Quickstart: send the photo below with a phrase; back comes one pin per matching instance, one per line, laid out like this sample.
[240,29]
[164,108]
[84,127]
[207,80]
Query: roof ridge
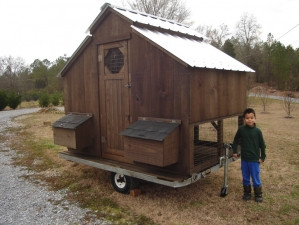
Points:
[147,15]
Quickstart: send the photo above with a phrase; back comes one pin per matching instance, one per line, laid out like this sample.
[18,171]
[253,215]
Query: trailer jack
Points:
[225,161]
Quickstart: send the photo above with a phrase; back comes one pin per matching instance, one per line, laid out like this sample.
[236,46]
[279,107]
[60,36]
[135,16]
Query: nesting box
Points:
[152,141]
[73,131]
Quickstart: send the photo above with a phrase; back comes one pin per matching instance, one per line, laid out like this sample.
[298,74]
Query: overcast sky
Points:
[47,29]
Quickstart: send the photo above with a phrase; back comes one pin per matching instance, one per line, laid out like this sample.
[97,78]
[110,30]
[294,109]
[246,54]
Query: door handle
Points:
[128,85]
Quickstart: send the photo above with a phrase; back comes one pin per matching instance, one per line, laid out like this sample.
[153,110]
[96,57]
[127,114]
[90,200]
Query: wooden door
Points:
[114,97]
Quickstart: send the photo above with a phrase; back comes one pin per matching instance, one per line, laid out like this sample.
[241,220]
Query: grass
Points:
[198,203]
[36,151]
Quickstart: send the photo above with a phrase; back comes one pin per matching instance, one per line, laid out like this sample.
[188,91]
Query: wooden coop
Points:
[141,91]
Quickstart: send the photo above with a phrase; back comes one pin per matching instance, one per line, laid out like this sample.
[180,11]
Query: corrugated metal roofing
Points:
[192,52]
[151,130]
[71,121]
[155,21]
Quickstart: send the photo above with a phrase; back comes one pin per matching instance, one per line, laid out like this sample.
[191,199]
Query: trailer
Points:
[148,98]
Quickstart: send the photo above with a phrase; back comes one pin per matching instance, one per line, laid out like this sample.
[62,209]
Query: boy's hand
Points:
[260,161]
[235,155]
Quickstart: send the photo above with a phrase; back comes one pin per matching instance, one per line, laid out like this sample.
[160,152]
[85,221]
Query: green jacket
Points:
[252,143]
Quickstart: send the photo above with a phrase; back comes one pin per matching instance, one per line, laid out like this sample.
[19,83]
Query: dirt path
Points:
[24,202]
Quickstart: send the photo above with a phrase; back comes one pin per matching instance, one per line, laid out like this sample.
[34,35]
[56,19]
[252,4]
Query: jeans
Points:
[251,169]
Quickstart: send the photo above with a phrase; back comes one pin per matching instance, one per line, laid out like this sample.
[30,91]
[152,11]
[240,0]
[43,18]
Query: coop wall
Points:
[160,89]
[81,79]
[216,94]
[81,91]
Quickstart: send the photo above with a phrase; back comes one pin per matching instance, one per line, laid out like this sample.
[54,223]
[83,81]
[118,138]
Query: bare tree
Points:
[216,36]
[289,103]
[10,69]
[248,30]
[247,36]
[263,94]
[168,9]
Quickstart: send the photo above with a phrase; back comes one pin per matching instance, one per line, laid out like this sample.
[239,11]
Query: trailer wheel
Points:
[122,183]
[223,192]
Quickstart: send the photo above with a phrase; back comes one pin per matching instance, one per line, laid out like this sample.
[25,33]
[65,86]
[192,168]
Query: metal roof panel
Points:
[193,52]
[156,21]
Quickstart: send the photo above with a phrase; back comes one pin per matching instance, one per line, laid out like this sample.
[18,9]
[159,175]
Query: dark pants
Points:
[251,170]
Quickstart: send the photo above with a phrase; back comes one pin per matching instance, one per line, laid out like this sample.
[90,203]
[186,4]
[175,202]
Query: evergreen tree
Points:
[229,48]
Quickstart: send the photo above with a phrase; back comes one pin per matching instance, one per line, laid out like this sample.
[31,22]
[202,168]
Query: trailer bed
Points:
[140,171]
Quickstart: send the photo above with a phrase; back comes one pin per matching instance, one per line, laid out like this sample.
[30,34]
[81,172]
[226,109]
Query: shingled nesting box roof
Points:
[71,121]
[151,130]
[177,40]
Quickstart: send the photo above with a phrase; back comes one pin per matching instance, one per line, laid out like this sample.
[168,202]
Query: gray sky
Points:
[47,29]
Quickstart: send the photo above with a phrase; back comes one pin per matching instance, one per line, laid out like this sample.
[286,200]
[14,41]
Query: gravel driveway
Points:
[22,202]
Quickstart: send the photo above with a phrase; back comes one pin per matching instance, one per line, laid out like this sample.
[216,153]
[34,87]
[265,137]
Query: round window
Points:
[114,60]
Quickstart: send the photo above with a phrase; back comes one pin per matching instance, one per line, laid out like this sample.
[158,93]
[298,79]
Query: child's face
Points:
[249,119]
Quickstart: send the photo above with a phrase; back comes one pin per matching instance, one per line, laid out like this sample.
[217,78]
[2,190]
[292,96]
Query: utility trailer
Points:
[149,98]
[123,176]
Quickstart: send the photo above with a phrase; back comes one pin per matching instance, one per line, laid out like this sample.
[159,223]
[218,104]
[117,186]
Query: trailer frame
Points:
[170,181]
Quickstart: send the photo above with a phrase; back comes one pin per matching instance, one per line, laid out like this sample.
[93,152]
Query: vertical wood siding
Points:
[160,87]
[216,94]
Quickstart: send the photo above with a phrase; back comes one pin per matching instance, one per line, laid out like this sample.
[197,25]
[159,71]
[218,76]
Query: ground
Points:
[198,203]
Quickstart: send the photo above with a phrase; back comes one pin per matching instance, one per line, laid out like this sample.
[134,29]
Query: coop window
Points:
[114,60]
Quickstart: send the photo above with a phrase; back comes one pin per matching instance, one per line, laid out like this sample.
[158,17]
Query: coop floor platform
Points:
[138,171]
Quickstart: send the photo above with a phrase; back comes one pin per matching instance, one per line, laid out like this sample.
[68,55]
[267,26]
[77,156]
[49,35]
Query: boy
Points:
[253,153]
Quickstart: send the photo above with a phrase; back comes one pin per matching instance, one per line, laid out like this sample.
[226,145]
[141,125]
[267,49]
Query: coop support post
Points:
[240,120]
[219,128]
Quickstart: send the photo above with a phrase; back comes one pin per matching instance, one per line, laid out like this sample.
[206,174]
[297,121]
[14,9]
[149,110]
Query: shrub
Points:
[55,99]
[3,100]
[26,97]
[31,95]
[34,96]
[44,100]
[14,100]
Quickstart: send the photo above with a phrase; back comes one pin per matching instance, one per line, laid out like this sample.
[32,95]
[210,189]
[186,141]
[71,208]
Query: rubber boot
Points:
[247,193]
[258,194]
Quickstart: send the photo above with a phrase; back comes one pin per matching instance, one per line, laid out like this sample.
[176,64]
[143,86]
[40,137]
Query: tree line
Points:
[38,81]
[274,63]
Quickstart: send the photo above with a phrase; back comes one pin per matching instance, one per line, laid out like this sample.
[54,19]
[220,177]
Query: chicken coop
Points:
[148,98]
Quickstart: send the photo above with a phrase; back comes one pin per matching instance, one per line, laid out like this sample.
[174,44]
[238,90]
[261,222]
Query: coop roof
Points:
[150,130]
[143,18]
[177,40]
[194,53]
[71,121]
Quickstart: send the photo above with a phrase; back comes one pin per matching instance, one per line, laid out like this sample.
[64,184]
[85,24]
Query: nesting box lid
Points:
[150,129]
[71,121]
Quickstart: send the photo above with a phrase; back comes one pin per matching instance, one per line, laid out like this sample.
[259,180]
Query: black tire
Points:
[122,183]
[223,192]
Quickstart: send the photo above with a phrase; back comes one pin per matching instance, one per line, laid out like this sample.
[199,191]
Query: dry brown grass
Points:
[200,203]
